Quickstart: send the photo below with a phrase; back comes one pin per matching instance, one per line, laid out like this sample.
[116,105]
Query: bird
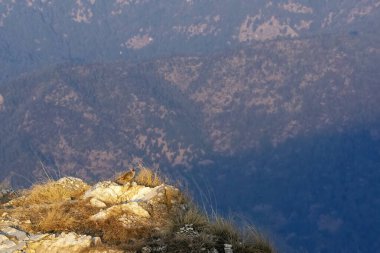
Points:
[126,177]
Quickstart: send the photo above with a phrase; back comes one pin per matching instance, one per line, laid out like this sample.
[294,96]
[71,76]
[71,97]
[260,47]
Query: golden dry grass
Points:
[51,192]
[114,232]
[173,197]
[55,219]
[67,216]
[53,207]
[148,178]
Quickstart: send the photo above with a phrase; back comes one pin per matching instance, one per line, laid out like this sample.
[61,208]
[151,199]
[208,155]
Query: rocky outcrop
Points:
[146,216]
[131,207]
[15,240]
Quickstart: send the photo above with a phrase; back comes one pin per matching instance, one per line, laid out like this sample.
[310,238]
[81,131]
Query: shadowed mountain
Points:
[91,120]
[318,193]
[177,111]
[36,33]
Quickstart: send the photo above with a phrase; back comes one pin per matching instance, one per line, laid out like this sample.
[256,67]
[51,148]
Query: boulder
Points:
[6,245]
[97,203]
[72,183]
[108,192]
[131,208]
[12,232]
[65,242]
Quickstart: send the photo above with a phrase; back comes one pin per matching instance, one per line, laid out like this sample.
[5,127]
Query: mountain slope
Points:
[172,111]
[37,33]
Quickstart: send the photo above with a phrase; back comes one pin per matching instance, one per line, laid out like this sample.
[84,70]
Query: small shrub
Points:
[173,197]
[55,218]
[224,231]
[254,242]
[147,177]
[113,232]
[247,241]
[191,244]
[191,216]
[185,234]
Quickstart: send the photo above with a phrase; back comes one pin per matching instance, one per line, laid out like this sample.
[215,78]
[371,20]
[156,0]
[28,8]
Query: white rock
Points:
[5,243]
[3,239]
[134,208]
[97,203]
[102,215]
[72,182]
[16,248]
[37,237]
[111,193]
[147,193]
[107,192]
[70,242]
[131,208]
[10,231]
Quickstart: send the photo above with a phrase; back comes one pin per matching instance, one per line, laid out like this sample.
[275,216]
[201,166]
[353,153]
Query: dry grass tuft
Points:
[56,217]
[173,197]
[254,242]
[249,240]
[51,192]
[192,216]
[67,216]
[75,217]
[225,232]
[192,230]
[113,232]
[148,178]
